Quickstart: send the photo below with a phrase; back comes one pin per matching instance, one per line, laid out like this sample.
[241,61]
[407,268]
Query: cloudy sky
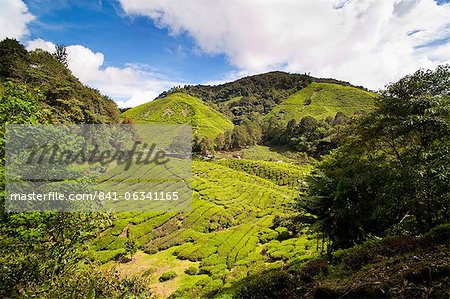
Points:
[132,50]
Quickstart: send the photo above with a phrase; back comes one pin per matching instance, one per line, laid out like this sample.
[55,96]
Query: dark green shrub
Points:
[151,249]
[313,268]
[284,235]
[191,270]
[439,234]
[272,284]
[167,276]
[356,257]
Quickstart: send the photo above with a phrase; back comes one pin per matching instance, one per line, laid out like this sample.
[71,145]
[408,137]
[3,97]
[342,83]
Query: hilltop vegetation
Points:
[260,107]
[253,94]
[63,95]
[310,121]
[179,108]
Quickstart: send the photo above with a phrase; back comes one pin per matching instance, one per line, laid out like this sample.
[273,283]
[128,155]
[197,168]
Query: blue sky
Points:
[103,26]
[132,50]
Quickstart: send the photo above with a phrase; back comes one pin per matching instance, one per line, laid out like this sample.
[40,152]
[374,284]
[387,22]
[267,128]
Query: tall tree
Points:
[61,54]
[131,245]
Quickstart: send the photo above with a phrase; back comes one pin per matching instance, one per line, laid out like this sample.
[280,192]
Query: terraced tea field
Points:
[282,174]
[228,234]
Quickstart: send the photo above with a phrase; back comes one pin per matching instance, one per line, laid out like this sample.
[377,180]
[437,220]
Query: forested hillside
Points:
[261,107]
[59,92]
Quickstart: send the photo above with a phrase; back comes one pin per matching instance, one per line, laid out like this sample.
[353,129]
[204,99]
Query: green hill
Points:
[252,94]
[179,108]
[321,100]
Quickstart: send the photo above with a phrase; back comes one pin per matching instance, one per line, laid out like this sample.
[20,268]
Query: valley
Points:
[235,227]
[302,187]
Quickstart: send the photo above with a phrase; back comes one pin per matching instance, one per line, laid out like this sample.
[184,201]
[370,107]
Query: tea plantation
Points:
[229,233]
[320,100]
[179,108]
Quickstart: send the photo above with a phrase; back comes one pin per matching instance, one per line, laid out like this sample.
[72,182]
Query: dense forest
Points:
[302,188]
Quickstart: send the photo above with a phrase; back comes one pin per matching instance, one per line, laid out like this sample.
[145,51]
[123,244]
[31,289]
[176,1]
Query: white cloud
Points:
[229,77]
[39,43]
[129,86]
[14,17]
[367,42]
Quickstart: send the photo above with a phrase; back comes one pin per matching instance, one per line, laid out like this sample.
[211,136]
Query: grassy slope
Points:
[228,233]
[180,108]
[231,100]
[326,100]
[265,153]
